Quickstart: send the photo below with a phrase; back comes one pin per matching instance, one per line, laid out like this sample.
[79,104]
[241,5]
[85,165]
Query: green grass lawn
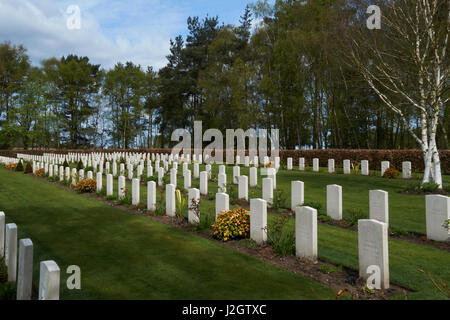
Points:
[126,256]
[340,246]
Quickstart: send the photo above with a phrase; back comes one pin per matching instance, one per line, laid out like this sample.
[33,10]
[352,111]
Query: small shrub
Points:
[80,165]
[279,200]
[28,169]
[429,187]
[324,218]
[101,193]
[19,167]
[181,204]
[160,209]
[329,269]
[126,200]
[87,169]
[232,192]
[412,186]
[53,179]
[154,179]
[11,166]
[314,205]
[39,173]
[111,198]
[206,222]
[281,237]
[391,173]
[356,168]
[399,232]
[354,215]
[3,270]
[232,224]
[317,206]
[8,291]
[65,164]
[86,186]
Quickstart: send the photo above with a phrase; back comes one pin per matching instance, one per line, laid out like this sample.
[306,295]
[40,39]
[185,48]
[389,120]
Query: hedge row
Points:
[375,157]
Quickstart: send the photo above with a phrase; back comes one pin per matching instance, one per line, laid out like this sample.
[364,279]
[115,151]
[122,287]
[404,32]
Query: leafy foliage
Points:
[391,173]
[232,225]
[28,168]
[19,167]
[86,186]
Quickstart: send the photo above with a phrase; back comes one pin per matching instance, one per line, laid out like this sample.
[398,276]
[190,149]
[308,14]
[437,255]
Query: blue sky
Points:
[111,30]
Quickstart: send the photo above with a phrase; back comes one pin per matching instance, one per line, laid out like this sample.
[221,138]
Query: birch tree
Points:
[406,64]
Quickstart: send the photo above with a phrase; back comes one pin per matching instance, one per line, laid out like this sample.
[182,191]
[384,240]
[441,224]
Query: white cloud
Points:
[111,31]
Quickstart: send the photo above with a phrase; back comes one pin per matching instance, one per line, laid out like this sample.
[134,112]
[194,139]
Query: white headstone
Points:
[406,170]
[289,164]
[437,213]
[2,234]
[193,196]
[384,166]
[346,166]
[272,174]
[149,171]
[243,187]
[373,250]
[74,176]
[99,182]
[222,203]
[379,205]
[151,195]
[109,185]
[204,183]
[25,274]
[365,167]
[258,220]
[334,201]
[90,175]
[222,182]
[236,174]
[316,165]
[301,164]
[121,188]
[170,200]
[135,194]
[330,165]
[173,177]
[297,194]
[49,281]
[208,169]
[196,170]
[187,179]
[267,190]
[11,251]
[67,173]
[253,176]
[160,176]
[306,233]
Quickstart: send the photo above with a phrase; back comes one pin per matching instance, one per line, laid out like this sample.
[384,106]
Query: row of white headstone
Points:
[21,270]
[437,207]
[406,166]
[436,214]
